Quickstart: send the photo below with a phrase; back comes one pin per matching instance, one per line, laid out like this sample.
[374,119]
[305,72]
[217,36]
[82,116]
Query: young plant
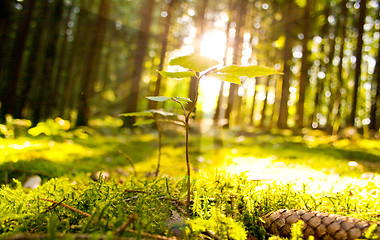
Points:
[154,116]
[199,67]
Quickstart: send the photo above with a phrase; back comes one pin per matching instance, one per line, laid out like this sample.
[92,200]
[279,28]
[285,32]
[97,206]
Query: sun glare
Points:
[213,45]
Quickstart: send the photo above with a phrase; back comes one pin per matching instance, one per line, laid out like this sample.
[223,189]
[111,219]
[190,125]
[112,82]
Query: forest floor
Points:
[264,171]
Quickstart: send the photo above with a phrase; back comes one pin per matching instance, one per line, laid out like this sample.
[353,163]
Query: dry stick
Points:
[151,235]
[67,206]
[28,236]
[88,215]
[121,229]
[54,206]
[129,160]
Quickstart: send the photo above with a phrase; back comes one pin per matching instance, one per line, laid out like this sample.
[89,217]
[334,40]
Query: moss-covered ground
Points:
[237,177]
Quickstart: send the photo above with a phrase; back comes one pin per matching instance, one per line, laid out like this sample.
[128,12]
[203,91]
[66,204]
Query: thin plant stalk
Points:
[159,143]
[187,119]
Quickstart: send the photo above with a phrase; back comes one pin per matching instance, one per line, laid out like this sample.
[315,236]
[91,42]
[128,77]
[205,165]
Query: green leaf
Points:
[250,71]
[137,114]
[177,74]
[194,62]
[158,98]
[225,77]
[162,113]
[182,99]
[143,122]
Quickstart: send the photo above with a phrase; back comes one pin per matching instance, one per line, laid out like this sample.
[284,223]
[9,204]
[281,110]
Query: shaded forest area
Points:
[82,59]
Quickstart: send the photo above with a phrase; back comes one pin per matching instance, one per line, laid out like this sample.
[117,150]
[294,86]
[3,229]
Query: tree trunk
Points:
[219,104]
[164,46]
[358,56]
[287,56]
[252,115]
[320,82]
[336,112]
[263,116]
[10,97]
[240,15]
[304,78]
[200,24]
[374,116]
[146,14]
[76,56]
[90,73]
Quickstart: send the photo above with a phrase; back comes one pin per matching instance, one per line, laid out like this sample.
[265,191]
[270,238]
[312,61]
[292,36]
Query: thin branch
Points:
[67,206]
[135,191]
[130,161]
[54,206]
[151,235]
[28,236]
[121,229]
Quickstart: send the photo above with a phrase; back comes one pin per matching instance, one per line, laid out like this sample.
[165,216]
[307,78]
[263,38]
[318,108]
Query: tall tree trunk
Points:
[252,115]
[146,12]
[90,73]
[62,57]
[304,78]
[240,15]
[200,24]
[336,112]
[164,46]
[320,82]
[358,56]
[219,106]
[374,115]
[263,115]
[76,56]
[287,56]
[10,97]
[50,58]
[5,35]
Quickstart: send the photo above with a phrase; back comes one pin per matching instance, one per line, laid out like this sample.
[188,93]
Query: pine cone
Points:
[320,225]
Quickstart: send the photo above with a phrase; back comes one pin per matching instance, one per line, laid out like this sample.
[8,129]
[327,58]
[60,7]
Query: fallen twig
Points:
[121,229]
[54,205]
[151,235]
[27,236]
[67,206]
[130,161]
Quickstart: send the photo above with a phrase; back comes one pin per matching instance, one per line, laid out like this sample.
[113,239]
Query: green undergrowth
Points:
[237,177]
[229,206]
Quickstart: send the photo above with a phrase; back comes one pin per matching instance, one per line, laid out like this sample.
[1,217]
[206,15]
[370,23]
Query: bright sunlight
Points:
[213,46]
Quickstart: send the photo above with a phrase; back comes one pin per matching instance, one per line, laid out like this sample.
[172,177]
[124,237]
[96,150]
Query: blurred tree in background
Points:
[81,59]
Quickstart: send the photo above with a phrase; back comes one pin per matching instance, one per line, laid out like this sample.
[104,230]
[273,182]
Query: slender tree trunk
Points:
[10,97]
[336,112]
[252,115]
[164,46]
[287,56]
[304,78]
[90,73]
[146,14]
[63,54]
[5,36]
[263,115]
[50,58]
[240,13]
[219,106]
[76,56]
[200,24]
[320,82]
[358,56]
[374,115]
